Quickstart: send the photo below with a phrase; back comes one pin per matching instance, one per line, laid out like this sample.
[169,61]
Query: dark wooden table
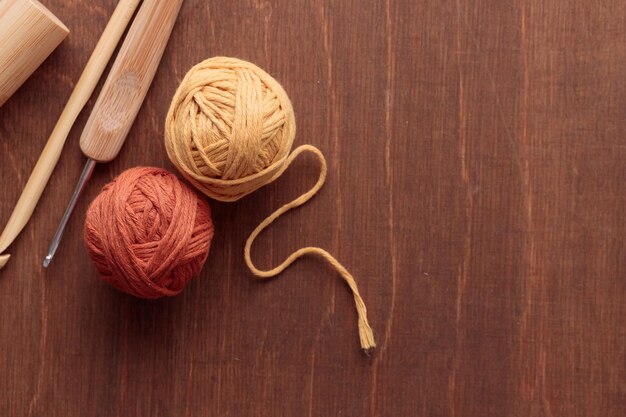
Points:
[477,154]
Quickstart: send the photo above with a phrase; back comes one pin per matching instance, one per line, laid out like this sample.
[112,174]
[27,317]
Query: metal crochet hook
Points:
[82,182]
[122,95]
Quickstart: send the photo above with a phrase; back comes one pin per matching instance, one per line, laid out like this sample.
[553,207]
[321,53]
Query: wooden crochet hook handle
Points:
[129,80]
[52,151]
[122,95]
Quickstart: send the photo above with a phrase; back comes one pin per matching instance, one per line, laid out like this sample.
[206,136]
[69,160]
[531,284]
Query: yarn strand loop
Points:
[366,334]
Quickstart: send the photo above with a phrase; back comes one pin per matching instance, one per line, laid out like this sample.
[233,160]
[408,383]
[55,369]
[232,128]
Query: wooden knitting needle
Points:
[122,94]
[52,151]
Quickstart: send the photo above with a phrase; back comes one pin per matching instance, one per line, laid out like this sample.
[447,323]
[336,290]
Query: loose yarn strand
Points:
[366,334]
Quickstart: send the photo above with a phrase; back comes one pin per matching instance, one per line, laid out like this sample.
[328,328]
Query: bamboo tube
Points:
[52,151]
[28,34]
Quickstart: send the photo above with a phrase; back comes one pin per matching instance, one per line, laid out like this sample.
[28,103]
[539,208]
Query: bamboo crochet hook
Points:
[52,151]
[122,94]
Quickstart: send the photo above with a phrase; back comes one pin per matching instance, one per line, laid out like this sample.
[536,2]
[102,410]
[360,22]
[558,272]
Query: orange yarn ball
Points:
[148,233]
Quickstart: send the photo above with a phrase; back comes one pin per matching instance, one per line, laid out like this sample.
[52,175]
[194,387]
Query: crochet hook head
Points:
[82,182]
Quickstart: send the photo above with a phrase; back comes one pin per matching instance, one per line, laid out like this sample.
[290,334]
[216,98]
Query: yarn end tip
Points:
[368,351]
[367,340]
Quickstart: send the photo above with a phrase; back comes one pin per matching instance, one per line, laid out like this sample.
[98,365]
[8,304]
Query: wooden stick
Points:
[52,151]
[28,34]
[129,80]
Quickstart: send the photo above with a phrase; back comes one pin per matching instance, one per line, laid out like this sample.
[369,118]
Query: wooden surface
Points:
[477,155]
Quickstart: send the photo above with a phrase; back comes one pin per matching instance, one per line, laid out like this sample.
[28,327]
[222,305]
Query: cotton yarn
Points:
[229,131]
[148,233]
[230,128]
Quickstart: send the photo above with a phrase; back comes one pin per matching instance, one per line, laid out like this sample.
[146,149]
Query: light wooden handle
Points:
[28,34]
[52,151]
[129,80]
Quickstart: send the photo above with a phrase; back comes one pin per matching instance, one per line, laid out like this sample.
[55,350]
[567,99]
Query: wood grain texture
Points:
[476,191]
[29,33]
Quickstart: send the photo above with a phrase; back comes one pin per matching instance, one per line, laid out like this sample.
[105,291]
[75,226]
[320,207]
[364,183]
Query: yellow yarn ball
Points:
[230,128]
